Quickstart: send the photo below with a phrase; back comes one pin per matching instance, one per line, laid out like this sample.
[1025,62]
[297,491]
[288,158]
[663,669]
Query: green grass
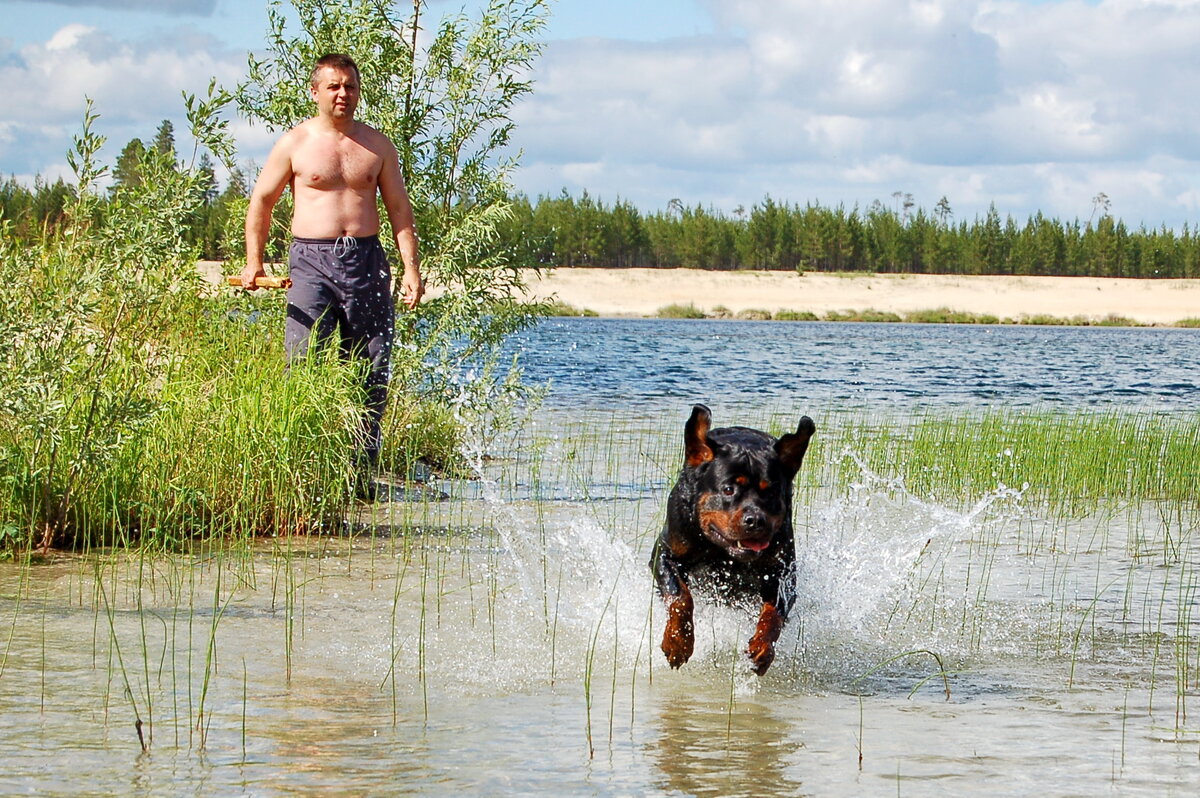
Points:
[754,314]
[677,311]
[863,316]
[948,316]
[1068,460]
[560,308]
[796,315]
[230,443]
[929,316]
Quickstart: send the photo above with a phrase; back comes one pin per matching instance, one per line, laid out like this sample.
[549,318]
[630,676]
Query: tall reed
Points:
[1073,460]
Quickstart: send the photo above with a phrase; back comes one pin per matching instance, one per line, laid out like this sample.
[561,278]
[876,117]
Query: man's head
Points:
[336,85]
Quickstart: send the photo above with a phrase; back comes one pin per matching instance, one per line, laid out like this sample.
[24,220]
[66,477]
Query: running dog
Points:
[729,531]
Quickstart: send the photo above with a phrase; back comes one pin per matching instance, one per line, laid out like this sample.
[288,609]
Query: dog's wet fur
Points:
[729,531]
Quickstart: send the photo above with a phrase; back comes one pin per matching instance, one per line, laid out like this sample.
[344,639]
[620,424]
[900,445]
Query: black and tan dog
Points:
[729,530]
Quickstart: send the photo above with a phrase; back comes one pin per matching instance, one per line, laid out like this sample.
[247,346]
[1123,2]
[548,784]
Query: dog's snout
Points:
[751,520]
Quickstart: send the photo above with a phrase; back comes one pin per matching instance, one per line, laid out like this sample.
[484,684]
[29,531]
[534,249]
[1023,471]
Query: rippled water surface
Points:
[504,642]
[638,361]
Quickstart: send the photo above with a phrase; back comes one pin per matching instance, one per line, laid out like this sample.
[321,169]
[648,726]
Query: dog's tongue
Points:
[754,545]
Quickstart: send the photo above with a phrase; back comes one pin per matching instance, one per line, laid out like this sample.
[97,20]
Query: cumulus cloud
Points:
[1038,105]
[134,86]
[1032,106]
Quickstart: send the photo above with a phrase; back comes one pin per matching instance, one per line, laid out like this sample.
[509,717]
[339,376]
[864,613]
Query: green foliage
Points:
[128,171]
[754,314]
[243,446]
[86,335]
[868,315]
[795,315]
[32,212]
[136,408]
[565,231]
[1073,461]
[559,308]
[948,316]
[688,311]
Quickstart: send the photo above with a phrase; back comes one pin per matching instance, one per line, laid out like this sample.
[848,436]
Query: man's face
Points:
[336,92]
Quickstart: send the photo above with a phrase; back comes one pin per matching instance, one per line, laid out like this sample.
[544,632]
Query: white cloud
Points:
[1035,105]
[134,86]
[68,36]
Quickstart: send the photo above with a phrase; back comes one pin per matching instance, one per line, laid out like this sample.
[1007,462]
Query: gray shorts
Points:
[342,292]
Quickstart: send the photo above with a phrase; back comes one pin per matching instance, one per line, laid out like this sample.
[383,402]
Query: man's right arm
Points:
[275,176]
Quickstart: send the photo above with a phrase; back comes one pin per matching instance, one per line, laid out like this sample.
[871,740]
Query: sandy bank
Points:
[641,292]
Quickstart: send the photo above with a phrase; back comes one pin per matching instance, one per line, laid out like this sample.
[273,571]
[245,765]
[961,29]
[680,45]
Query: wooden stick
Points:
[263,281]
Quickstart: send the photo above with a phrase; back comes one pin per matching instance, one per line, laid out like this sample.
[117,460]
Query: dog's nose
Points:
[751,520]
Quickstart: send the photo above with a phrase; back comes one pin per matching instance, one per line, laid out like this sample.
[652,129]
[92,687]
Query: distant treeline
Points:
[583,231]
[32,212]
[569,231]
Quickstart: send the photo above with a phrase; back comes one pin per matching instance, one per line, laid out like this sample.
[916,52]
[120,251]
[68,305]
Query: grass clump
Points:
[948,316]
[1070,460]
[754,314]
[869,315]
[796,315]
[559,308]
[678,311]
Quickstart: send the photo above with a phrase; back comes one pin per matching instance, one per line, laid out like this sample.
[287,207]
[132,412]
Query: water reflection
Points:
[703,748]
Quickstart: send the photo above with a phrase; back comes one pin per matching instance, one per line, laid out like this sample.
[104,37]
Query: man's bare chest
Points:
[344,165]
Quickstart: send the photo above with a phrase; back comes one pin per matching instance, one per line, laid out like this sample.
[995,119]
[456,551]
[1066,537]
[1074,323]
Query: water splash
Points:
[575,592]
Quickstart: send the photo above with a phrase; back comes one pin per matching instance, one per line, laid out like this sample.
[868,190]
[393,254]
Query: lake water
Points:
[504,642]
[648,362]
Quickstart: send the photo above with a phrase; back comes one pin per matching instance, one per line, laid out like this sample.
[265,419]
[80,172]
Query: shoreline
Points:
[644,293]
[767,294]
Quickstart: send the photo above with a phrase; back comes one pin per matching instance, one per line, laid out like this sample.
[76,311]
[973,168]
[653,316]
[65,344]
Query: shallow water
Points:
[505,642]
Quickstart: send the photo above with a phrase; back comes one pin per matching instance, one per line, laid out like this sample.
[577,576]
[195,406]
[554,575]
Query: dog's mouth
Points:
[754,545]
[746,547]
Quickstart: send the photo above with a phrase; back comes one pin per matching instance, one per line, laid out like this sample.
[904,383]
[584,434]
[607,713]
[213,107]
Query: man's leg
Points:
[312,300]
[367,332]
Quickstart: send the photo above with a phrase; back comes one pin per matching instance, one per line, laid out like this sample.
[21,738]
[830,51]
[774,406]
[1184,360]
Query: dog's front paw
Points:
[761,650]
[761,653]
[679,637]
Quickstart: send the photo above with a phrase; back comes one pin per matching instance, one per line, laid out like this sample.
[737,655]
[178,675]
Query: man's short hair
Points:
[337,61]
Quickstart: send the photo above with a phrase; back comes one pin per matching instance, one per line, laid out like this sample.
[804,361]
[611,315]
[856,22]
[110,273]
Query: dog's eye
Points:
[728,489]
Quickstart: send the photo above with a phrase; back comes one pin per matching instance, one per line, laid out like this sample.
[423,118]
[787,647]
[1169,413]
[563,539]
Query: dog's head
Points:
[743,481]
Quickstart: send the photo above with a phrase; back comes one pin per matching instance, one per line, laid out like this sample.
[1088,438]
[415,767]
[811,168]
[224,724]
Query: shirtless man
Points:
[341,280]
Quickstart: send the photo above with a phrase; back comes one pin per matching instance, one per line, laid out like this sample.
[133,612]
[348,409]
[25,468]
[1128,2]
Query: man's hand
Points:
[412,288]
[250,274]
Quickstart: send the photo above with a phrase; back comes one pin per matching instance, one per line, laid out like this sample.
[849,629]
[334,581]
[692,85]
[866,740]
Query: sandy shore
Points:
[641,292]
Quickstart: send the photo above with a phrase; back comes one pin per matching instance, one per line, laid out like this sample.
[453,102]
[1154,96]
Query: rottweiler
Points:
[729,530]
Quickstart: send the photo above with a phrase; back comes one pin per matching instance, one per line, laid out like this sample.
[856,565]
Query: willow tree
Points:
[443,93]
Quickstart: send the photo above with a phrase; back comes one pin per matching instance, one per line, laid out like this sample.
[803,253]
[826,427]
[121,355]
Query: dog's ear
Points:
[695,437]
[791,447]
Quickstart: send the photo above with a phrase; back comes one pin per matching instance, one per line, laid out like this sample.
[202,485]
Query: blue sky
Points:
[1033,105]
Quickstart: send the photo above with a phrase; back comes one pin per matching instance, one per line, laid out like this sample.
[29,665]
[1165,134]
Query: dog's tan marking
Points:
[762,646]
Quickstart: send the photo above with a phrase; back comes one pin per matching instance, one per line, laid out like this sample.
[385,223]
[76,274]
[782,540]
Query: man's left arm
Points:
[400,215]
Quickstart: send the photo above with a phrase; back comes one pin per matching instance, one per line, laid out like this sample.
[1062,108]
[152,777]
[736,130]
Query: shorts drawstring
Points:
[345,243]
